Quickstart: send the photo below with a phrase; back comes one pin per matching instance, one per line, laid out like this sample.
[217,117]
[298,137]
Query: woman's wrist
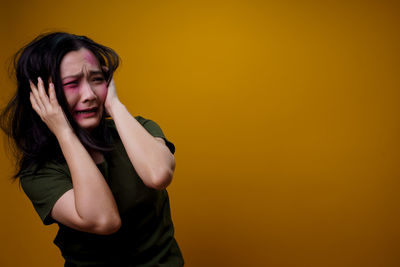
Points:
[112,107]
[65,135]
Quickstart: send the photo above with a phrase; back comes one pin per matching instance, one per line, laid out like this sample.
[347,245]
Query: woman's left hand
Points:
[111,98]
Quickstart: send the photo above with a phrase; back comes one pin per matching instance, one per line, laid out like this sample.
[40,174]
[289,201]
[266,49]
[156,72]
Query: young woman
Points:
[101,180]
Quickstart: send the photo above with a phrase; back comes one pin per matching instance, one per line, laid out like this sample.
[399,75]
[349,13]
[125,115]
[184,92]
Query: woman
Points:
[101,180]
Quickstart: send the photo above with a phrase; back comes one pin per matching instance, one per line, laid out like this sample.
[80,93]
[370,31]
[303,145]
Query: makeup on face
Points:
[84,87]
[72,81]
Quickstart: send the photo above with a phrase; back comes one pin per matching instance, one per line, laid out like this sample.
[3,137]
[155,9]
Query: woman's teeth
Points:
[86,111]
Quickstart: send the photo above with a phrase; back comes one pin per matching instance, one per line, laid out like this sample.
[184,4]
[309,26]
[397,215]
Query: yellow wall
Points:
[285,116]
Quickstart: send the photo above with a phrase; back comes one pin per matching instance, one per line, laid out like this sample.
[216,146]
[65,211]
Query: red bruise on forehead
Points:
[77,64]
[90,57]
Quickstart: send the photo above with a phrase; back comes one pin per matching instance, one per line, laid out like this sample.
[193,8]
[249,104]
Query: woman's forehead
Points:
[77,61]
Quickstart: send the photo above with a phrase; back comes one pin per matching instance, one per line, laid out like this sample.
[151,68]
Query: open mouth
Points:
[86,111]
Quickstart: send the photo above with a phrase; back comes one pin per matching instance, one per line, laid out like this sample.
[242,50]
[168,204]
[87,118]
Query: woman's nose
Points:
[87,93]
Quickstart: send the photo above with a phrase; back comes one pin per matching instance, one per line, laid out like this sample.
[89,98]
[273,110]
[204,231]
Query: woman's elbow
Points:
[162,179]
[108,226]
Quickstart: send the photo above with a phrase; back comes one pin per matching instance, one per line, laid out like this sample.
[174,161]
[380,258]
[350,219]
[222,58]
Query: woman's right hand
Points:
[48,109]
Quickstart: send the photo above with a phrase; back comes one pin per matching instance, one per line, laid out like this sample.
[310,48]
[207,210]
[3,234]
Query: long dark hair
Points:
[29,137]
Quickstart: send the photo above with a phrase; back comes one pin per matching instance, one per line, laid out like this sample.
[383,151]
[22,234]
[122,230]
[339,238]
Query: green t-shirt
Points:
[146,237]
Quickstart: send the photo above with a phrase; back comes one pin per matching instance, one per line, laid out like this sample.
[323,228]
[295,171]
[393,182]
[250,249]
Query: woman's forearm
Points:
[151,159]
[94,202]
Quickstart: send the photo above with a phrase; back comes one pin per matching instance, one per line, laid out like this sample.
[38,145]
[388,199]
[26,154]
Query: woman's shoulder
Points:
[110,122]
[146,123]
[49,166]
[141,120]
[151,127]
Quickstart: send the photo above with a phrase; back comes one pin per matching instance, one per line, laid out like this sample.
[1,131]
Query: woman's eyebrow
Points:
[73,76]
[95,72]
[91,73]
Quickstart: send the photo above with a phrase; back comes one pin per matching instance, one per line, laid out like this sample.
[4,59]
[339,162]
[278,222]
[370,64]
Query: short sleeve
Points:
[150,126]
[155,131]
[45,186]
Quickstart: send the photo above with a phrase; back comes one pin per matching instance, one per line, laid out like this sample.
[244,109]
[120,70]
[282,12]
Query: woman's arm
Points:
[90,205]
[150,157]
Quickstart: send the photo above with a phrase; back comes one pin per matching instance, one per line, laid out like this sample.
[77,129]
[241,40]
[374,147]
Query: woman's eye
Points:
[98,79]
[71,84]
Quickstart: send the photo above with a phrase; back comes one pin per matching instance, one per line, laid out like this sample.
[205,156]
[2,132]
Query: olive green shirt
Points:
[146,237]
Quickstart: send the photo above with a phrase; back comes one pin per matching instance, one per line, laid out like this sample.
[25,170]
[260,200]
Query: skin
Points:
[84,87]
[90,205]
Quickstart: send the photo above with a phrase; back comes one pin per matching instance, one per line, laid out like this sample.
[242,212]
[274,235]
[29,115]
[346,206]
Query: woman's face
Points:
[84,87]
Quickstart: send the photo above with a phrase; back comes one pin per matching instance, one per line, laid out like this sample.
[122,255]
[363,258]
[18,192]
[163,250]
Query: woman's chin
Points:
[88,123]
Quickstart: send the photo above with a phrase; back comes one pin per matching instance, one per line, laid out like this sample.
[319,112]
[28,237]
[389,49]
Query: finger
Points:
[52,94]
[35,105]
[36,96]
[32,85]
[42,93]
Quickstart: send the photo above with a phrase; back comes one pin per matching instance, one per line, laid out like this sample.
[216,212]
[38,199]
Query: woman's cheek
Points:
[71,96]
[102,92]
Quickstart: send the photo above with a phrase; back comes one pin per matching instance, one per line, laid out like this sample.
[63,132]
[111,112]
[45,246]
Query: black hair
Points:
[30,139]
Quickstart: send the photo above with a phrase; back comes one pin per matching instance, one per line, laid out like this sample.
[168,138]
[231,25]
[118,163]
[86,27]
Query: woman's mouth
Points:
[86,112]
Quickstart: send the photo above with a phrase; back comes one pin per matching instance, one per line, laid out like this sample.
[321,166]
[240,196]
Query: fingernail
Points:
[39,79]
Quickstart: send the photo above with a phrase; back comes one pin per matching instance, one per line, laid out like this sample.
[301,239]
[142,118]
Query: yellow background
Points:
[285,116]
